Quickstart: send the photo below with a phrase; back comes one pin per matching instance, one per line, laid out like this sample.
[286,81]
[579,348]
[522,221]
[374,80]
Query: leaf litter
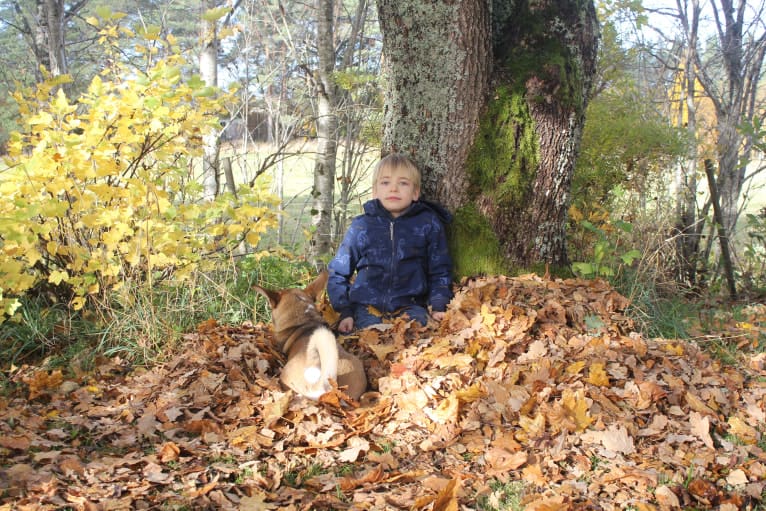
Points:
[539,384]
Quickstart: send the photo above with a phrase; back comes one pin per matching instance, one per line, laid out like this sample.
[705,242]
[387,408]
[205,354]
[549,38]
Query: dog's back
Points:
[313,355]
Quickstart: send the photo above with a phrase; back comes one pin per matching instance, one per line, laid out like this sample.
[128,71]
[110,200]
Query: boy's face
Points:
[395,190]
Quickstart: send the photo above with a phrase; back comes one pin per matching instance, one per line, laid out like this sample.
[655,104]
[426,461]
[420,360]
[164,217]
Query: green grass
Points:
[505,496]
[142,323]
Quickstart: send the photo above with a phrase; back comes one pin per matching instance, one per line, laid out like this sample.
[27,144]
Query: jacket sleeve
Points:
[439,268]
[341,269]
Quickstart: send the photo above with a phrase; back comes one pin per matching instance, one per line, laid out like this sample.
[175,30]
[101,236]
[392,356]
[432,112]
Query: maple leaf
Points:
[577,408]
[744,432]
[40,382]
[597,375]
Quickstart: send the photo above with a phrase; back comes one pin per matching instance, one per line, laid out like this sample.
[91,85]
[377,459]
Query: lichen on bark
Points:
[521,162]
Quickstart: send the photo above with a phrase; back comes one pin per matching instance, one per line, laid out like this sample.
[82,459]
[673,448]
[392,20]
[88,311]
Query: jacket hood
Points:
[375,208]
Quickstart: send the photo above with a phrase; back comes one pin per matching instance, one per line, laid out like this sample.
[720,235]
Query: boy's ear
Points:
[315,288]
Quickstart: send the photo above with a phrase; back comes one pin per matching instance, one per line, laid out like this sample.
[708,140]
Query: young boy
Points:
[398,251]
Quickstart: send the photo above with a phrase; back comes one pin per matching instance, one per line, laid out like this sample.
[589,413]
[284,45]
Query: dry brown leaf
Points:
[556,503]
[533,474]
[169,451]
[696,404]
[511,378]
[371,476]
[667,499]
[41,382]
[500,461]
[615,439]
[700,427]
[446,500]
[18,442]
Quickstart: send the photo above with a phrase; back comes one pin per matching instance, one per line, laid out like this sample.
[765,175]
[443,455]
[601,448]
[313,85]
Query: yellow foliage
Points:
[101,188]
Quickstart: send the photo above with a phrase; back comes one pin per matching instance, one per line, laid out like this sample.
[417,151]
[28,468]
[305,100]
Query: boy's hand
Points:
[438,316]
[346,325]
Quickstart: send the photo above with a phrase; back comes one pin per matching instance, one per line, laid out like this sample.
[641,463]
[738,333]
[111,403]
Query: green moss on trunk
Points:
[474,246]
[504,157]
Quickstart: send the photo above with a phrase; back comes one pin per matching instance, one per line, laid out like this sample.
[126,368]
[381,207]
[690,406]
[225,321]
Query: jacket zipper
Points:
[392,268]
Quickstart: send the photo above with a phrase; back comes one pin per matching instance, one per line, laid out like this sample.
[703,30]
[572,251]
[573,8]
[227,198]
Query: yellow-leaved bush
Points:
[102,189]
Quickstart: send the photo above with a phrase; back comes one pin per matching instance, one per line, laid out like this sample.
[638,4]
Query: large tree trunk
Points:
[437,58]
[327,127]
[503,160]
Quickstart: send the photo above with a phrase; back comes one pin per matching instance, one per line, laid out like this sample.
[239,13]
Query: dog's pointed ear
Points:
[272,296]
[315,288]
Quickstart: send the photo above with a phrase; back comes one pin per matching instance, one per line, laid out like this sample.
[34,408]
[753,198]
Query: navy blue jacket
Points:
[398,261]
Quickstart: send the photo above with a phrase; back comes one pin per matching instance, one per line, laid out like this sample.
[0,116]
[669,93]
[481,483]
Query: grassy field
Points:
[296,168]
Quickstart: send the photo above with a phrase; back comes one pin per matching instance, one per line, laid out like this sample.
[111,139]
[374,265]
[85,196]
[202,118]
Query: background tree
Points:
[208,66]
[713,58]
[327,133]
[492,110]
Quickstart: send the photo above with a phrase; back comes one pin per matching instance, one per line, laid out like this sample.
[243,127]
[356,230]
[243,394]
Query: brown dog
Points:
[313,354]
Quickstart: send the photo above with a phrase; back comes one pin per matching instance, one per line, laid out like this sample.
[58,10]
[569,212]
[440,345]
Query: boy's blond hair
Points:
[398,162]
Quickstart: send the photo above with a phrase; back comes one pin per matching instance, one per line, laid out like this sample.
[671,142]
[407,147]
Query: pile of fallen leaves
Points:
[530,384]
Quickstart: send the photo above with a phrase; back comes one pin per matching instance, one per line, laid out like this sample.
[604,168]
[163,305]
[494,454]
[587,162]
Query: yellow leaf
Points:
[575,368]
[597,375]
[447,411]
[533,427]
[471,394]
[740,429]
[43,118]
[253,238]
[487,317]
[578,408]
[56,277]
[674,349]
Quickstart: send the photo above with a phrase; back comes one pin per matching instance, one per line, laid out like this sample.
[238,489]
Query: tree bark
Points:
[689,230]
[492,110]
[43,25]
[327,127]
[55,24]
[437,58]
[208,65]
[723,237]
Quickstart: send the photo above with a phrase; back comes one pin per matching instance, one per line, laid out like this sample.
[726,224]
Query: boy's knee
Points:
[363,318]
[419,314]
